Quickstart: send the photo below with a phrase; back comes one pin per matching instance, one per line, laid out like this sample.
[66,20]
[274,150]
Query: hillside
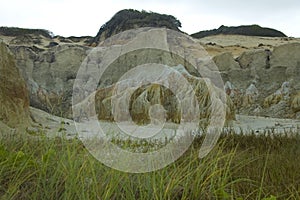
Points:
[129,19]
[14,99]
[248,30]
[237,44]
[15,31]
[49,63]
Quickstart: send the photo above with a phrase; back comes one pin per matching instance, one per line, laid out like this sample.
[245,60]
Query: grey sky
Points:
[78,18]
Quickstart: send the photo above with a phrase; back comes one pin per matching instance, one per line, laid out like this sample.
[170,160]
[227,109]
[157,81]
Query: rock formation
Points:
[111,105]
[225,62]
[49,65]
[255,58]
[118,98]
[14,99]
[276,75]
[295,103]
[50,75]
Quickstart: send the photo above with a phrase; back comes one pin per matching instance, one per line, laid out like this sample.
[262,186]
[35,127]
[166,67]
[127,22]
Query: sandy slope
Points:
[239,43]
[213,44]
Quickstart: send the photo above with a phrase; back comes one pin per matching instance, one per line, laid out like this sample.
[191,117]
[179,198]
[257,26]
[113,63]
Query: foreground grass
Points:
[239,167]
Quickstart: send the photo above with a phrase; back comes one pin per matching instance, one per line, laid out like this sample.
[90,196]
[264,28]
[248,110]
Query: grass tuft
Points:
[241,166]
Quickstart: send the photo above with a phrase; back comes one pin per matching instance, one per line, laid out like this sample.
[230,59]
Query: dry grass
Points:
[239,167]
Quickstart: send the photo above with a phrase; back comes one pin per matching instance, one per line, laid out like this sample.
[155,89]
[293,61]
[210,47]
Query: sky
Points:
[85,17]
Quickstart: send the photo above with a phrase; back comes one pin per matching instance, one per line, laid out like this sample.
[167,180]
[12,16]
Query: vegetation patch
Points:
[239,167]
[130,19]
[249,30]
[15,31]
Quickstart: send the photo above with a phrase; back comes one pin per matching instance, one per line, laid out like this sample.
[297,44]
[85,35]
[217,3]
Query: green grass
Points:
[239,167]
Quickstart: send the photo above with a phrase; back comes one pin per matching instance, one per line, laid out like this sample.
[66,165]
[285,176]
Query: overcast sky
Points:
[79,18]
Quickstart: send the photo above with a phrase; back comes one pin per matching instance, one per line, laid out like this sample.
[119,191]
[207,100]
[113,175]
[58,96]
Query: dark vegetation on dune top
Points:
[14,31]
[129,19]
[249,30]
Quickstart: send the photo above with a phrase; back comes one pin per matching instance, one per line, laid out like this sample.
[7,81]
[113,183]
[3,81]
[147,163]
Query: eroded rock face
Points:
[140,104]
[283,93]
[257,59]
[132,87]
[14,99]
[276,75]
[225,62]
[295,103]
[49,75]
[286,55]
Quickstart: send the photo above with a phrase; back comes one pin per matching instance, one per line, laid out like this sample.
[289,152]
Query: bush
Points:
[249,30]
[129,19]
[14,31]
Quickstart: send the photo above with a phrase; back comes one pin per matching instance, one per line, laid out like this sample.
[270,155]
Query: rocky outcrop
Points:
[50,75]
[281,94]
[295,103]
[14,99]
[151,81]
[287,58]
[254,59]
[286,55]
[250,96]
[276,76]
[49,66]
[225,62]
[111,104]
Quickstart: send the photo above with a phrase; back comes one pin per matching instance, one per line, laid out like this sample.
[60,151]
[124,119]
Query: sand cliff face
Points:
[266,81]
[49,75]
[254,67]
[14,99]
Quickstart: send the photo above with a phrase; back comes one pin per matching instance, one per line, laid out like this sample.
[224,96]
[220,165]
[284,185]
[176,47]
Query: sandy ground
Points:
[44,42]
[247,41]
[239,43]
[57,126]
[247,124]
[213,44]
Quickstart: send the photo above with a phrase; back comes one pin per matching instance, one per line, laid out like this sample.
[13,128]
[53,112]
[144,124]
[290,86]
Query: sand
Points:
[57,126]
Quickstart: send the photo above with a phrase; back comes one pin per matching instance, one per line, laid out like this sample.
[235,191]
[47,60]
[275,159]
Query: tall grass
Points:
[239,167]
